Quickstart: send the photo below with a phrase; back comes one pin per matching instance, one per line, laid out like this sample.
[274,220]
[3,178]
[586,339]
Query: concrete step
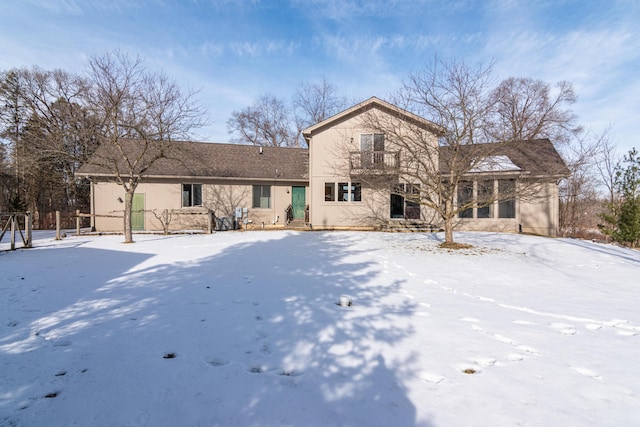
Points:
[297,224]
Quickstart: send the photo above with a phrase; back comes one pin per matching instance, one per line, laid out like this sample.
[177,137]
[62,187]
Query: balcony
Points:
[374,162]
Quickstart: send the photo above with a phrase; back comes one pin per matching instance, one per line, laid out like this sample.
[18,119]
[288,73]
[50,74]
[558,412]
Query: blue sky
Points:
[235,51]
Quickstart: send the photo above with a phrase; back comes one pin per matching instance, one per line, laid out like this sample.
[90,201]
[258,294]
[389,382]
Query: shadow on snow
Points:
[256,332]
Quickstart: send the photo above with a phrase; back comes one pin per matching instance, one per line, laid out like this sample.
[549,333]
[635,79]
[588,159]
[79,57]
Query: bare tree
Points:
[454,96]
[606,162]
[140,112]
[164,218]
[315,102]
[446,165]
[580,204]
[527,109]
[265,123]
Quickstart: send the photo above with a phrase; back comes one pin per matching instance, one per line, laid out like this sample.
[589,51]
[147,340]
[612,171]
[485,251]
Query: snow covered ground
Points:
[243,329]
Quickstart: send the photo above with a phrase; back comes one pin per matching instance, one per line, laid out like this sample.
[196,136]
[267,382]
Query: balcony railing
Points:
[374,161]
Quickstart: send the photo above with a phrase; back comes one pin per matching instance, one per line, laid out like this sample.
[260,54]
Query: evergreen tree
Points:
[624,216]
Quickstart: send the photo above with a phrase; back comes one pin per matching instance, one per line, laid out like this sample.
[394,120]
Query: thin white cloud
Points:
[259,48]
[211,48]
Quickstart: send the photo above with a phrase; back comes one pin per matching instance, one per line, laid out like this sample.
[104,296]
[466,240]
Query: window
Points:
[329,192]
[349,192]
[356,192]
[485,199]
[506,194]
[191,195]
[465,197]
[262,196]
[372,142]
[372,147]
[405,201]
[412,201]
[343,191]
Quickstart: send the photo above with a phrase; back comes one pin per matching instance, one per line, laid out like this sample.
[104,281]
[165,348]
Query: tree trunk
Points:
[128,209]
[448,222]
[448,230]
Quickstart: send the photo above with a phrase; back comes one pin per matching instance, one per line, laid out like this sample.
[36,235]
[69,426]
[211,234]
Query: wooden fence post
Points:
[12,218]
[29,229]
[77,222]
[58,237]
[210,221]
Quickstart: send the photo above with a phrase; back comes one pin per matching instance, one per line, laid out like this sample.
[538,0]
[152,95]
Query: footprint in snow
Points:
[257,369]
[626,329]
[477,328]
[485,361]
[515,357]
[430,377]
[563,328]
[504,339]
[524,322]
[265,349]
[529,349]
[216,362]
[587,373]
[289,372]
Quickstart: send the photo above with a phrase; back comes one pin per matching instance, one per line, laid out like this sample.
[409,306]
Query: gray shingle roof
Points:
[197,159]
[212,160]
[537,157]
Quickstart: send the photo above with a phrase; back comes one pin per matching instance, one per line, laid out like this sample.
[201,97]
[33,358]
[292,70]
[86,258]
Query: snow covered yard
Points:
[243,329]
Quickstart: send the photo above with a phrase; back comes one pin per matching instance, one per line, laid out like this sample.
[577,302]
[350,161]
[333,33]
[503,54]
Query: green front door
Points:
[298,202]
[137,214]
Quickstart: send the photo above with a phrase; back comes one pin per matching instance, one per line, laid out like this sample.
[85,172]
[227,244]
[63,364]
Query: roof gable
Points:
[367,105]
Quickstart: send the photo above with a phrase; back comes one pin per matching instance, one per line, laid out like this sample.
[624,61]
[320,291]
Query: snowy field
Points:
[243,329]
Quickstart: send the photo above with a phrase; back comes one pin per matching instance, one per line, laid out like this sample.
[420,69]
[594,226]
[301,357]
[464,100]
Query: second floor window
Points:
[372,142]
[372,150]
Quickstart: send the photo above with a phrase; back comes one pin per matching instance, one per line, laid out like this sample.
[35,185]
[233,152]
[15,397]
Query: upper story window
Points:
[191,195]
[372,150]
[372,142]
